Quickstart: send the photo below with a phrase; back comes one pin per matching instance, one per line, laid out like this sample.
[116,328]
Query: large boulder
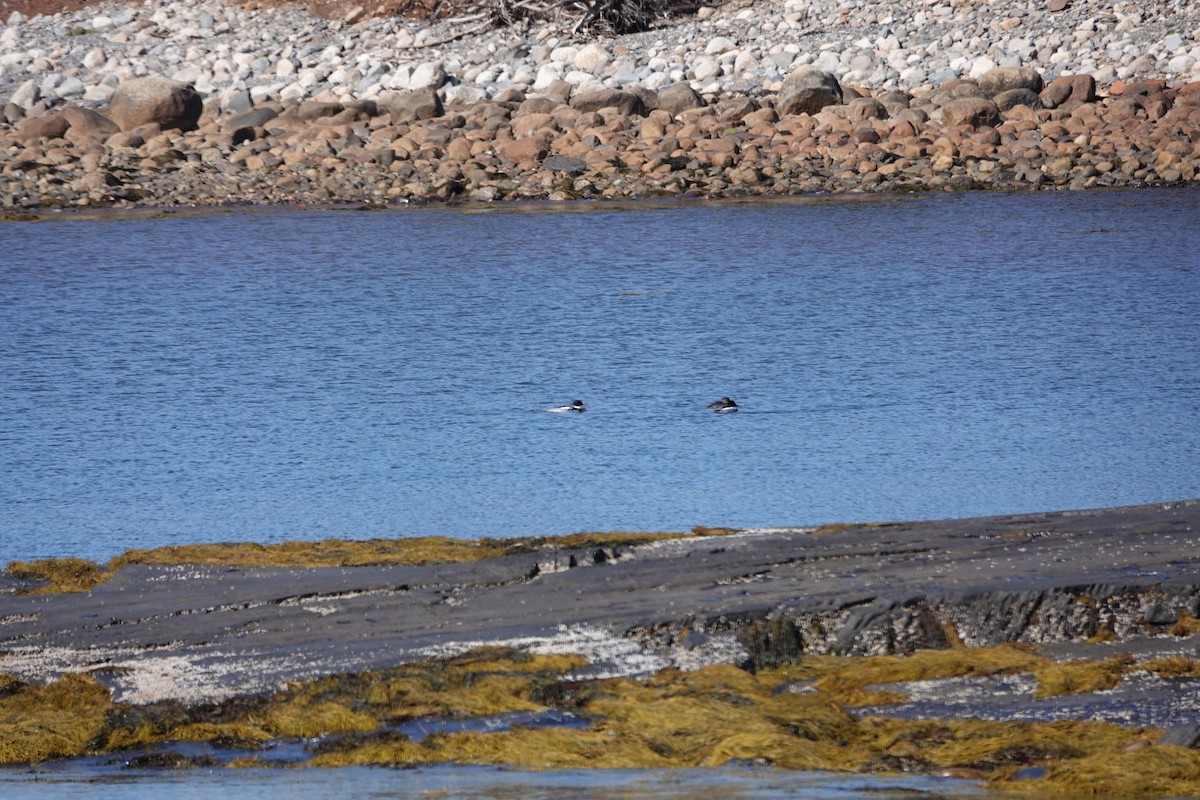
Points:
[861,109]
[628,103]
[808,90]
[429,75]
[1005,79]
[956,89]
[536,105]
[412,106]
[972,111]
[44,126]
[1006,101]
[1078,88]
[159,100]
[679,97]
[85,122]
[255,118]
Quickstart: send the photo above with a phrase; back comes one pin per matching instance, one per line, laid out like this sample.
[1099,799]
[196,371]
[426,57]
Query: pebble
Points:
[736,56]
[902,46]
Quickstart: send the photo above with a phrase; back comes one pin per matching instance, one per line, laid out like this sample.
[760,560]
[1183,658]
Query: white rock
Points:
[94,59]
[745,62]
[293,91]
[546,75]
[98,93]
[564,55]
[579,77]
[465,94]
[591,58]
[862,62]
[720,44]
[285,68]
[428,75]
[71,87]
[310,77]
[399,78]
[829,61]
[26,94]
[981,66]
[1181,65]
[705,68]
[657,81]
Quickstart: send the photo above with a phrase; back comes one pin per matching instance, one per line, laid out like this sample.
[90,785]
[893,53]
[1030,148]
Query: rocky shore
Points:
[1039,651]
[206,103]
[197,628]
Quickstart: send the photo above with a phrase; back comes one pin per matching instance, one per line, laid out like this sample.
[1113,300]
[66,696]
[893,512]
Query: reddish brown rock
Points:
[735,109]
[1081,88]
[864,108]
[46,126]
[1146,87]
[627,103]
[528,124]
[525,151]
[1004,79]
[412,106]
[1189,92]
[537,105]
[1012,98]
[972,111]
[85,122]
[953,90]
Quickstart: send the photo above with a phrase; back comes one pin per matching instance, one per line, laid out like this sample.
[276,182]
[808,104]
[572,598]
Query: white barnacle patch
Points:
[608,655]
[173,573]
[322,611]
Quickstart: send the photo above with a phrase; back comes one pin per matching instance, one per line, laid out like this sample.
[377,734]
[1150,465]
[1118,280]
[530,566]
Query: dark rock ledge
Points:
[757,598]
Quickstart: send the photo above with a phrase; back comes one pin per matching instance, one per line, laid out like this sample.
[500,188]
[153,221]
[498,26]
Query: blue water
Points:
[480,783]
[308,374]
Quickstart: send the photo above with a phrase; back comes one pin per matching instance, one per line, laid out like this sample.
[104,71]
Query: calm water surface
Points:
[482,783]
[300,375]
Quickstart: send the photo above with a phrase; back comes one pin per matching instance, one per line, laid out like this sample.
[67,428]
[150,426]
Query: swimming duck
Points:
[723,406]
[576,406]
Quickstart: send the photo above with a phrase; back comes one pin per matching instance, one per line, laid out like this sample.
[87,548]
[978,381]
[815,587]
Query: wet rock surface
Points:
[1140,700]
[754,598]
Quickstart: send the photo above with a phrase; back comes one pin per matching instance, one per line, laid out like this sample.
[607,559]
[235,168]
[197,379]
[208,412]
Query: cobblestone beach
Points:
[208,103]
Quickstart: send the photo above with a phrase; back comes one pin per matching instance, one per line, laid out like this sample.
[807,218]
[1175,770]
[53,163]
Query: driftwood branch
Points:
[581,17]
